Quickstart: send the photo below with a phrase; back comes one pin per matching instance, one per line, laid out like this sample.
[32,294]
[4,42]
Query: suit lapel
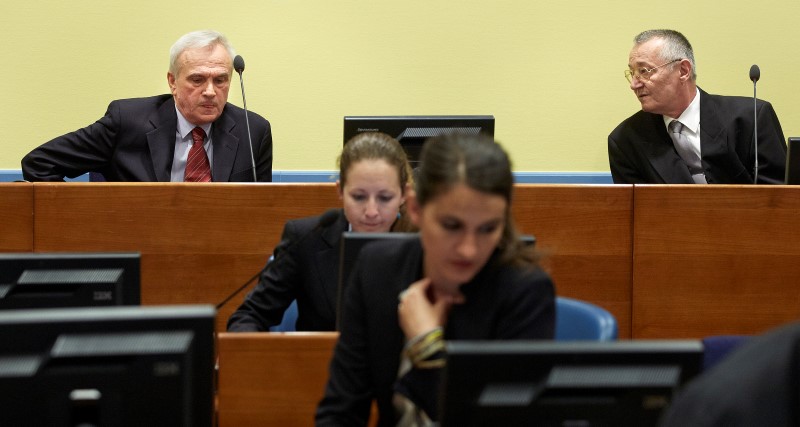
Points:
[713,138]
[327,259]
[660,150]
[225,146]
[161,140]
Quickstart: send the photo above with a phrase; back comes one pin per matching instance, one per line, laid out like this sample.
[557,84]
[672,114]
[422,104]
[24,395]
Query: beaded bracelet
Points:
[426,351]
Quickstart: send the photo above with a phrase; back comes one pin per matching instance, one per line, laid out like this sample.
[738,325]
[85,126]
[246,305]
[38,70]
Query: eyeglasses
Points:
[644,73]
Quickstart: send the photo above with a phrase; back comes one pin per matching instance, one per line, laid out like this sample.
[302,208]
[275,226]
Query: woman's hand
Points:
[421,309]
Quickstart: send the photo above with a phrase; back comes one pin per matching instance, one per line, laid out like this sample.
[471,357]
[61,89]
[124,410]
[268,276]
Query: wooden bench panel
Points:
[584,232]
[713,260]
[272,379]
[16,217]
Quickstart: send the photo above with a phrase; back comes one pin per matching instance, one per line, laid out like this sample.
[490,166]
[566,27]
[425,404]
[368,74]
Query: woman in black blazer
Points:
[374,177]
[468,276]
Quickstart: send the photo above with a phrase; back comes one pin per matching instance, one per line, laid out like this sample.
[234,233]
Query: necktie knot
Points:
[676,126]
[198,135]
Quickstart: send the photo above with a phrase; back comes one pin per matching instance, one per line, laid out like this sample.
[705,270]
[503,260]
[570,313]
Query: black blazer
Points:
[305,267]
[135,141]
[641,151]
[502,302]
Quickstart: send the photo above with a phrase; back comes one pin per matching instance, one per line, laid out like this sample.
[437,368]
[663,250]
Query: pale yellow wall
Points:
[550,72]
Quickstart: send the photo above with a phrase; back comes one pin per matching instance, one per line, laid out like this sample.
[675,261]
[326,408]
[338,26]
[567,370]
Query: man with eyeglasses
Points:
[683,135]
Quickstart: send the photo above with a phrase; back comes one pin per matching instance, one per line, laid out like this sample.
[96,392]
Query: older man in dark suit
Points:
[194,134]
[683,135]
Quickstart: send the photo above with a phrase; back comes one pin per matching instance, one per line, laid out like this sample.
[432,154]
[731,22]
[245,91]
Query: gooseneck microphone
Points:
[238,65]
[755,74]
[329,217]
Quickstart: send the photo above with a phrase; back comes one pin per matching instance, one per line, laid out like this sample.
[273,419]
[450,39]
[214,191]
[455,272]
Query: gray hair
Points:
[676,46]
[194,40]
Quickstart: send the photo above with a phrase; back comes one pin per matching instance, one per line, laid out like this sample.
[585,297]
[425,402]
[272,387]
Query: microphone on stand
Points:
[238,65]
[755,74]
[329,217]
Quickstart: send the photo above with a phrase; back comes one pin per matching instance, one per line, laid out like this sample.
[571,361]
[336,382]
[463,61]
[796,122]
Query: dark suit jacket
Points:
[641,151]
[135,141]
[502,302]
[757,385]
[305,267]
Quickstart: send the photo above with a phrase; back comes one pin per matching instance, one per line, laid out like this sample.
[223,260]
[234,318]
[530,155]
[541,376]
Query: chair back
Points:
[580,320]
[96,177]
[718,347]
[575,320]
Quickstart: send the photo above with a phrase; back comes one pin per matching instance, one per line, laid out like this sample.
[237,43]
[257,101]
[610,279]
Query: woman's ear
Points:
[413,208]
[406,191]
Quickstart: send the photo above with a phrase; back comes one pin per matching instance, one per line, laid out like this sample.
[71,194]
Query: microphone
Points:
[238,65]
[326,219]
[755,74]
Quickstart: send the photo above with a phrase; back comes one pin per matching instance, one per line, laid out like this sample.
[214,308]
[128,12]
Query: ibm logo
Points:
[166,369]
[103,296]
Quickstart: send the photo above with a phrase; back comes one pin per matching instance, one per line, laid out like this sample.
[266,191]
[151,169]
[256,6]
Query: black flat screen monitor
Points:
[50,280]
[575,383]
[107,366]
[413,131]
[793,161]
[351,245]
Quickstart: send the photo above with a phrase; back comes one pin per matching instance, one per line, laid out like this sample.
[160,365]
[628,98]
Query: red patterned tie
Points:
[197,166]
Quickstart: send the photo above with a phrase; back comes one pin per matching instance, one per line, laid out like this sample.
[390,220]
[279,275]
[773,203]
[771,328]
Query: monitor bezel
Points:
[792,176]
[396,126]
[35,334]
[128,292]
[471,365]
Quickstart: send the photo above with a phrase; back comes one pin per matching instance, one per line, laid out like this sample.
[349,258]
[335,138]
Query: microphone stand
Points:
[238,64]
[755,74]
[755,135]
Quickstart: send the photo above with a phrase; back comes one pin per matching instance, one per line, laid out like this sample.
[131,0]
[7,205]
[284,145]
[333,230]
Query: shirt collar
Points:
[185,128]
[690,118]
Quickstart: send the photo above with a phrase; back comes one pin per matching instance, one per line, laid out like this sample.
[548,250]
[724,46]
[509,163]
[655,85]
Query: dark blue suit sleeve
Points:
[75,153]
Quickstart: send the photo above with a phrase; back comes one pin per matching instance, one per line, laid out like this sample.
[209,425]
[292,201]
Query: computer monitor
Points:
[107,366]
[563,383]
[50,280]
[793,161]
[351,245]
[413,131]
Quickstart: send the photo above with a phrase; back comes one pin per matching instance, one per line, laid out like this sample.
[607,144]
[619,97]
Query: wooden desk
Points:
[585,234]
[712,260]
[199,242]
[16,217]
[272,379]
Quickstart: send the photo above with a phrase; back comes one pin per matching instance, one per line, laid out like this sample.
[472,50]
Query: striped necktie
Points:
[198,168]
